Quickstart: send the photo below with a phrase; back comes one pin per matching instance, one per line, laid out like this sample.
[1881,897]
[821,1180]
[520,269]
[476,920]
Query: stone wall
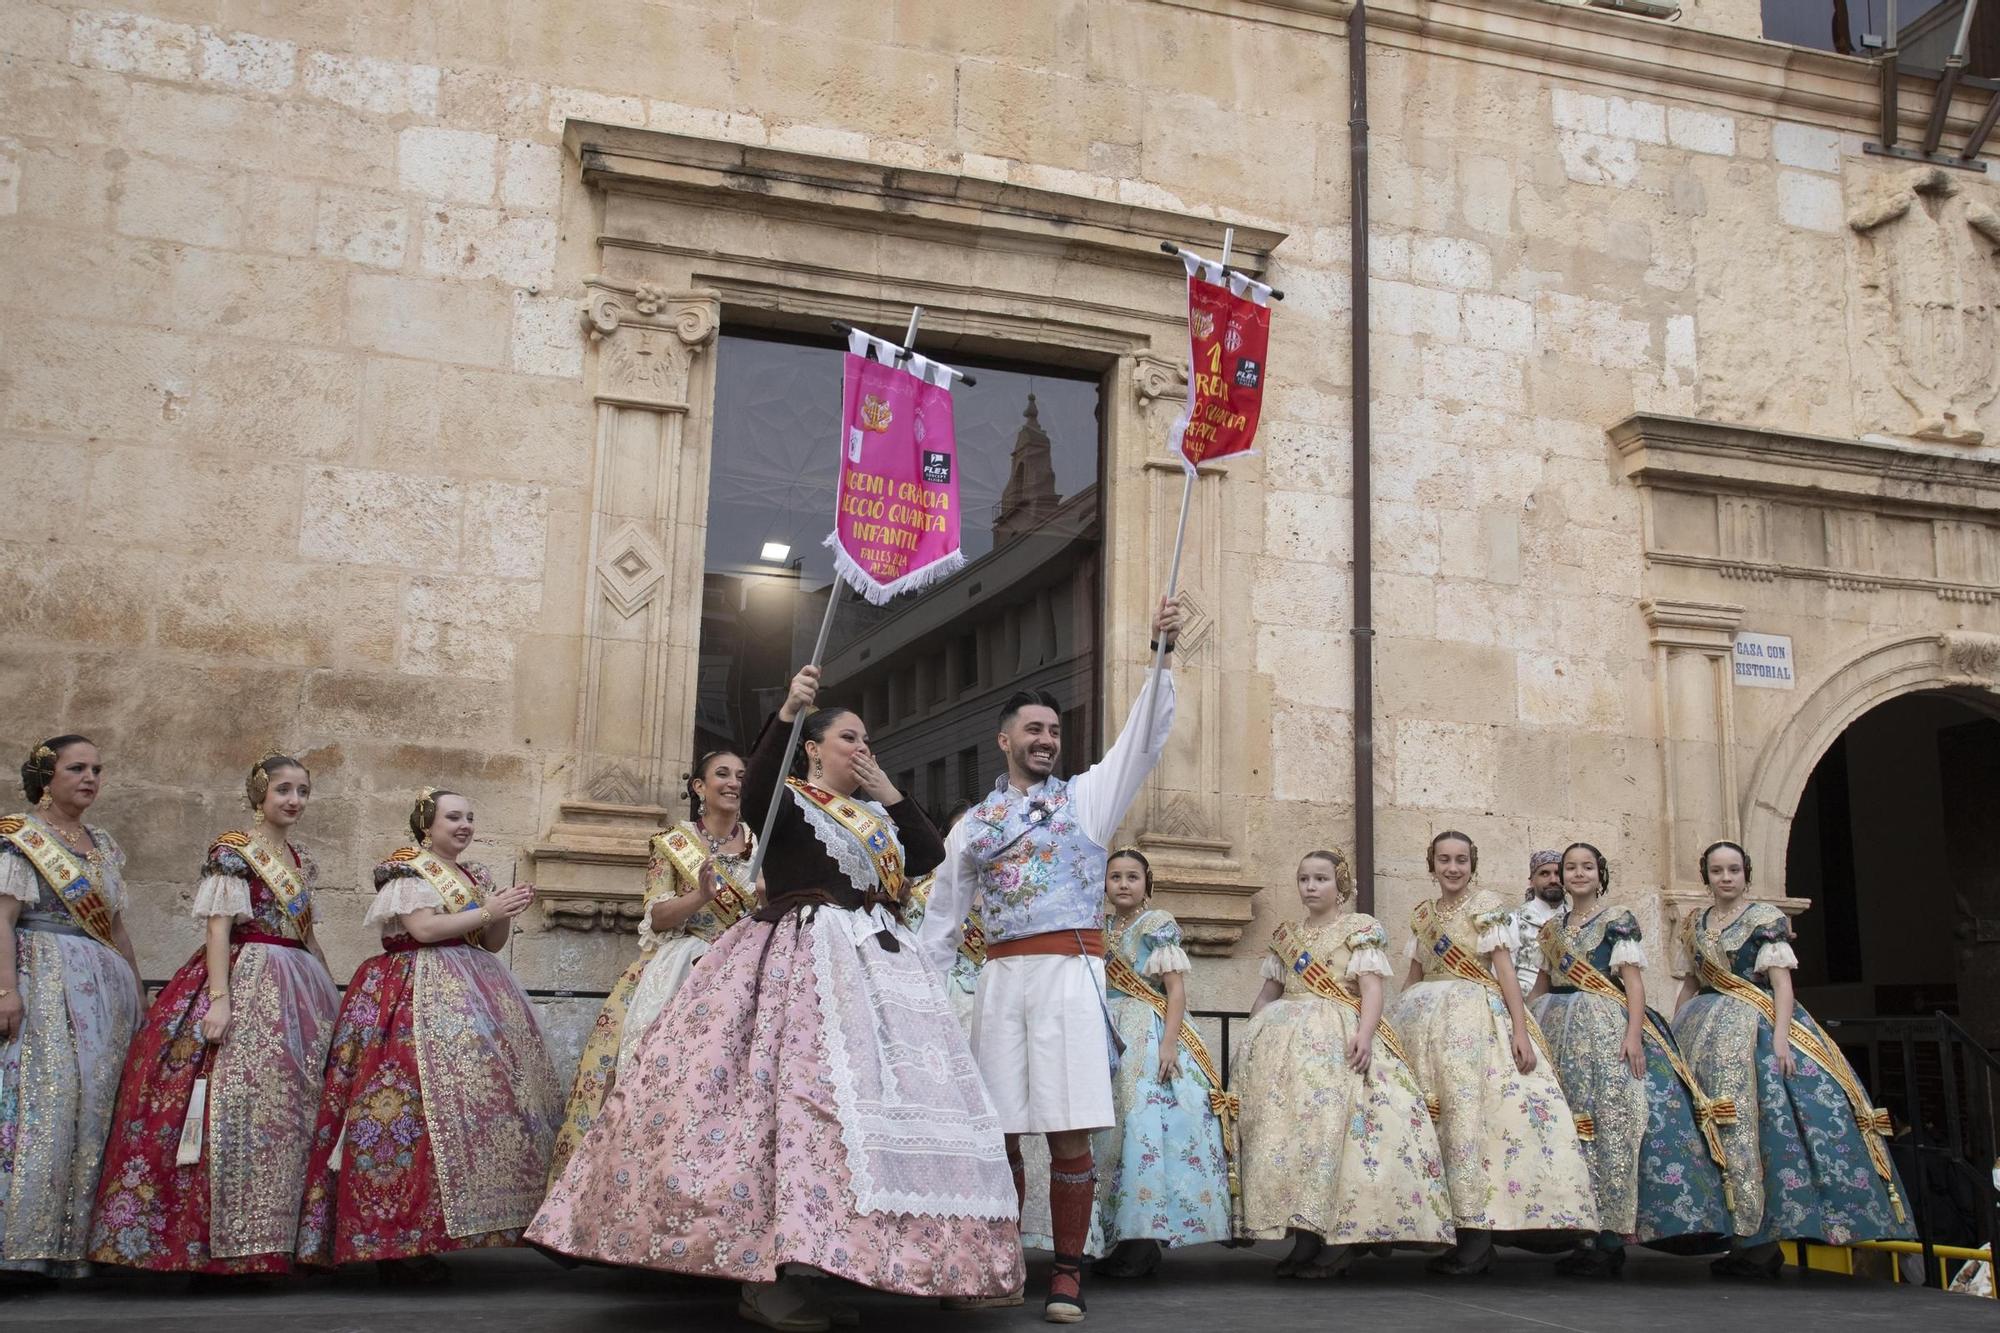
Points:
[295,405]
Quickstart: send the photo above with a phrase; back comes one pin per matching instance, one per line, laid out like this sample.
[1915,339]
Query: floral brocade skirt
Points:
[1350,1157]
[58,1084]
[1161,1172]
[1512,1161]
[1651,1170]
[438,1115]
[1797,1160]
[236,1208]
[735,1138]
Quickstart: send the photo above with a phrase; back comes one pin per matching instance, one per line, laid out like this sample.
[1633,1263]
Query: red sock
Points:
[1072,1196]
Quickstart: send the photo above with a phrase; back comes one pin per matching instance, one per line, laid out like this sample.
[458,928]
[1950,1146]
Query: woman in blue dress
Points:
[1808,1154]
[1654,1156]
[1162,1175]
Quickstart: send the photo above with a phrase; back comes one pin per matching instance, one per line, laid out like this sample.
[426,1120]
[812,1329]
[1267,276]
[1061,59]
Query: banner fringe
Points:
[880,594]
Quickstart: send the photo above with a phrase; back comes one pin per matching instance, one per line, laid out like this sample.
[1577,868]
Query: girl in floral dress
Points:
[440,1105]
[697,885]
[1808,1152]
[1511,1157]
[208,1153]
[69,1000]
[1162,1169]
[1654,1175]
[1338,1149]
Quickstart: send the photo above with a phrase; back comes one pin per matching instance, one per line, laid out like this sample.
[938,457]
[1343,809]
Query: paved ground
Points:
[1209,1291]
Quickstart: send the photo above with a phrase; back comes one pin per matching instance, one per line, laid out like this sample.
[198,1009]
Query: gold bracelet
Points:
[485,916]
[215,995]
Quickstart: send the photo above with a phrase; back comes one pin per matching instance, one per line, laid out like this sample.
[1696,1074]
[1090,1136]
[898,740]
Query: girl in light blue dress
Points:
[1162,1174]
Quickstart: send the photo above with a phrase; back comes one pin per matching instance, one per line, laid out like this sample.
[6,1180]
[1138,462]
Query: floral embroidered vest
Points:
[1038,870]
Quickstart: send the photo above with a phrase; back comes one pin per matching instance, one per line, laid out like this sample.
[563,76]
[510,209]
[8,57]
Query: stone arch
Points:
[1962,663]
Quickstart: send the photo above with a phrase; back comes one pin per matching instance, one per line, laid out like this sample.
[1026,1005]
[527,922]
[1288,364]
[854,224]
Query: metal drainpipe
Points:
[1364,563]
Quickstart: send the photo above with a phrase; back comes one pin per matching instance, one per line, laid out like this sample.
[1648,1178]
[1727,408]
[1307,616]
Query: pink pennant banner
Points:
[896,524]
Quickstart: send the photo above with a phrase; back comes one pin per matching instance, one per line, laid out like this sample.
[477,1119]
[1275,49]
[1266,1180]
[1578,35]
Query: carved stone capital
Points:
[1708,627]
[647,338]
[1212,910]
[1972,659]
[1155,378]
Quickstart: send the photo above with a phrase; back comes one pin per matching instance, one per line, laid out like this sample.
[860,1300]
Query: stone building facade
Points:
[357,364]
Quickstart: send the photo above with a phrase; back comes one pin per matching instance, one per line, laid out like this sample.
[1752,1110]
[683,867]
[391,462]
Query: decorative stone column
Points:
[1694,646]
[642,605]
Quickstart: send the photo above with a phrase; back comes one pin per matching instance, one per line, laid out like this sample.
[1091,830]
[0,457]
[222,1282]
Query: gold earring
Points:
[426,844]
[260,816]
[46,801]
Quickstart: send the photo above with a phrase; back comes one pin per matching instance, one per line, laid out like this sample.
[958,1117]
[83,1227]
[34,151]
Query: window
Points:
[1029,447]
[1927,30]
[971,789]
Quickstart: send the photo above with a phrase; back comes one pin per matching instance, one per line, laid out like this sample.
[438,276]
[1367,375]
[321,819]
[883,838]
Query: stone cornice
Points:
[876,196]
[1625,55]
[1684,453]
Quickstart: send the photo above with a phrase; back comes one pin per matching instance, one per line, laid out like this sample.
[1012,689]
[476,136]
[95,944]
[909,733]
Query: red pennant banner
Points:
[1229,332]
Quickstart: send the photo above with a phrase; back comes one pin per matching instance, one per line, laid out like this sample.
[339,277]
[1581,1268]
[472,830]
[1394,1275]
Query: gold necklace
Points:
[90,852]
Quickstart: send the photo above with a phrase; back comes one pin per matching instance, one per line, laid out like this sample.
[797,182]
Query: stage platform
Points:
[1206,1291]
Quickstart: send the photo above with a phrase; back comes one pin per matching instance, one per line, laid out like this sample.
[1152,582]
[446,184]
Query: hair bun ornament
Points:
[43,752]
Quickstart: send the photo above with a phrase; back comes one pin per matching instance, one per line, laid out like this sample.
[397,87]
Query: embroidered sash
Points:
[434,870]
[61,870]
[1287,944]
[868,828]
[1873,1121]
[283,881]
[1467,968]
[972,941]
[1124,978]
[1709,1113]
[686,855]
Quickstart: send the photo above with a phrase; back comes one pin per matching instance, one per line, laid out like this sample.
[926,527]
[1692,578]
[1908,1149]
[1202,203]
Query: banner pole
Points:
[792,742]
[1173,588]
[819,651]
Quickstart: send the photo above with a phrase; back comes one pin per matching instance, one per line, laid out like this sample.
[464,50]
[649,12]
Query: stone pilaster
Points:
[642,609]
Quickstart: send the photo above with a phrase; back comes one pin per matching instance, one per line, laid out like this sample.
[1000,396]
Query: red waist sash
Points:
[1069,943]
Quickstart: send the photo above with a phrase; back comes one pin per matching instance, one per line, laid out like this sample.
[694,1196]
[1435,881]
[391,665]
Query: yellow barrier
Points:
[1842,1259]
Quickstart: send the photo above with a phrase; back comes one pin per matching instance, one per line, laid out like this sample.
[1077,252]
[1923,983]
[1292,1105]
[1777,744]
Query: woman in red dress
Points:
[208,1147]
[440,1105]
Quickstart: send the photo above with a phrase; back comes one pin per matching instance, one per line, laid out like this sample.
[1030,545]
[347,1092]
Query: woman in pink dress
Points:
[440,1105]
[808,1104]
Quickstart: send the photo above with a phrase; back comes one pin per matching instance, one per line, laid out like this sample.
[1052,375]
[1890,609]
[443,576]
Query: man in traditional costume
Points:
[1031,859]
[1544,904]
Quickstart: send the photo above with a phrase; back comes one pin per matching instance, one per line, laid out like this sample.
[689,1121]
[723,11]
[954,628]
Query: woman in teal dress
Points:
[1162,1176]
[1656,1178]
[1808,1153]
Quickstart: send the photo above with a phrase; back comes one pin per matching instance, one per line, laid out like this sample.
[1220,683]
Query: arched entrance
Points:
[1901,714]
[1895,840]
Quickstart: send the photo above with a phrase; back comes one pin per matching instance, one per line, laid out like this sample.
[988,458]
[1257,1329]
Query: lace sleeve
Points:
[1273,969]
[221,894]
[1165,952]
[17,878]
[1625,935]
[1774,945]
[1497,930]
[405,893]
[1368,946]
